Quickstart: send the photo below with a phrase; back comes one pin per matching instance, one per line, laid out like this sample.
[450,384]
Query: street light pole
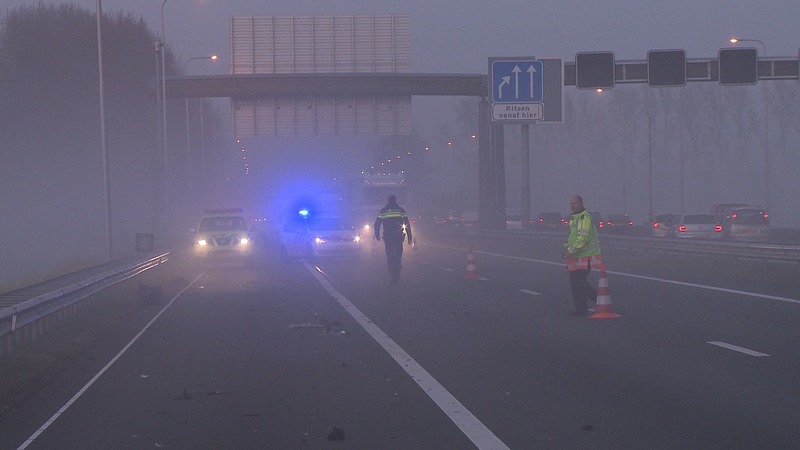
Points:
[164,113]
[103,138]
[188,134]
[650,166]
[767,188]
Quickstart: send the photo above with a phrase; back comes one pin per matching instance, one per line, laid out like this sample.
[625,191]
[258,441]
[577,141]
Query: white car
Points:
[316,237]
[223,233]
[695,226]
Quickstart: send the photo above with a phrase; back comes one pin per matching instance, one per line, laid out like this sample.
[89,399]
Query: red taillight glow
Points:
[541,220]
[682,228]
[656,224]
[630,222]
[718,228]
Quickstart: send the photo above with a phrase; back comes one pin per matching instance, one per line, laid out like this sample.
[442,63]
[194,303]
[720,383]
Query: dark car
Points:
[549,221]
[618,223]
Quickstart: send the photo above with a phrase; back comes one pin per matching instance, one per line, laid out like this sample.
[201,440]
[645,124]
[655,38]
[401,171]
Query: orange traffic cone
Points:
[472,268]
[603,309]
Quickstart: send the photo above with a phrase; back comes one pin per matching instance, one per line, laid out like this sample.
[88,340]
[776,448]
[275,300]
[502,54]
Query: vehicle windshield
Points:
[749,217]
[692,219]
[227,223]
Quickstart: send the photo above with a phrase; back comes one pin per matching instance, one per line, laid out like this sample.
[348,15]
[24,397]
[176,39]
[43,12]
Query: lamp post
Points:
[164,113]
[188,136]
[736,40]
[650,166]
[103,138]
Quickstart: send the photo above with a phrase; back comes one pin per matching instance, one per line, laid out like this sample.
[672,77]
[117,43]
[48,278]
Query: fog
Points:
[708,141]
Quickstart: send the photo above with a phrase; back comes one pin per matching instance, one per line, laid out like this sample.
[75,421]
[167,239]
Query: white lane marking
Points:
[642,277]
[89,384]
[473,428]
[530,292]
[448,269]
[736,348]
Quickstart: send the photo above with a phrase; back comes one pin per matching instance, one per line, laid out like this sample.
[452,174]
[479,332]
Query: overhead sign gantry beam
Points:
[352,84]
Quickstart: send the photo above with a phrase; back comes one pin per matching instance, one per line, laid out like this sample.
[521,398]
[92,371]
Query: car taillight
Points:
[718,228]
[541,220]
[630,222]
[682,228]
[655,224]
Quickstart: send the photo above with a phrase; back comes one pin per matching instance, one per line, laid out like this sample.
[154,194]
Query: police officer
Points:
[583,253]
[396,229]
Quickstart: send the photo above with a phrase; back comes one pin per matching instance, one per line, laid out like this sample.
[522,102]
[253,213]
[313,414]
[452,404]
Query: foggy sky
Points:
[458,36]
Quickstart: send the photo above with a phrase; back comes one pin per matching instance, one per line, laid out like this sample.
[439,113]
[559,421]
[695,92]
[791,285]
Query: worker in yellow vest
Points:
[583,253]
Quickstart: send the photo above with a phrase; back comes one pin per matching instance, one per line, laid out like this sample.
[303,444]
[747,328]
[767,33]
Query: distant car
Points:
[317,237]
[549,221]
[695,226]
[513,222]
[470,219]
[723,210]
[223,233]
[618,223]
[660,225]
[746,224]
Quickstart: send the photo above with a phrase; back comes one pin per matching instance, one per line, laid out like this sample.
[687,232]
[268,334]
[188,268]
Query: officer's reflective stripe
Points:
[390,213]
[583,262]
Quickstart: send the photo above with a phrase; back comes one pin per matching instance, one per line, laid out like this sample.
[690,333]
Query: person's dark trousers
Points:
[581,290]
[394,255]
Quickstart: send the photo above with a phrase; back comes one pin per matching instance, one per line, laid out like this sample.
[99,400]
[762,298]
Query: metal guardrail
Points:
[26,306]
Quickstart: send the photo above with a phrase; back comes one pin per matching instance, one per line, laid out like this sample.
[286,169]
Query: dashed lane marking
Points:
[530,292]
[736,348]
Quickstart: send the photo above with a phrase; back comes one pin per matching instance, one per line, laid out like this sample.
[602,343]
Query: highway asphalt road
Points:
[329,355]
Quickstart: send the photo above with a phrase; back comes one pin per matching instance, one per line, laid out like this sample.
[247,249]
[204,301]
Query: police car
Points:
[223,233]
[310,237]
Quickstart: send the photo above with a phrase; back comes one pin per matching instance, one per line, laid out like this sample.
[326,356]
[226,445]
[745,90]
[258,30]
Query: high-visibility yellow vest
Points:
[583,243]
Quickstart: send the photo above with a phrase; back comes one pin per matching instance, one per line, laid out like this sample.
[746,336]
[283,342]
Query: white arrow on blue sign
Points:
[517,81]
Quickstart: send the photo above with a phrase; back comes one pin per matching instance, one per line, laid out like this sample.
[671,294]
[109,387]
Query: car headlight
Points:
[244,241]
[202,242]
[319,240]
[357,239]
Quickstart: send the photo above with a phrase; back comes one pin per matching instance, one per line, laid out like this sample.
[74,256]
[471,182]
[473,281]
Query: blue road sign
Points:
[517,81]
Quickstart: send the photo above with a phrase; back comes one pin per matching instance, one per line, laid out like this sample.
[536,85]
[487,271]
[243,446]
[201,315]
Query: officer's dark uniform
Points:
[396,228]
